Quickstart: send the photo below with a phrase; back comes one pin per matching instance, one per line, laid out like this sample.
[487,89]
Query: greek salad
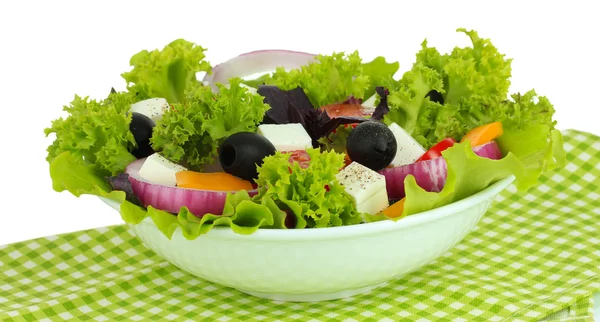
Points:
[314,141]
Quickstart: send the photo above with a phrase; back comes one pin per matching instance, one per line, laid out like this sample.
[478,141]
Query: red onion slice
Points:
[261,61]
[171,199]
[430,174]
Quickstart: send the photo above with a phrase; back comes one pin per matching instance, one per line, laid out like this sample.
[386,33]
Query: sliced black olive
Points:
[435,96]
[241,153]
[141,127]
[372,144]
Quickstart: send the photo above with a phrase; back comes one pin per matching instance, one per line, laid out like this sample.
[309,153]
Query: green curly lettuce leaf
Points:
[473,82]
[243,215]
[96,133]
[333,78]
[409,106]
[530,153]
[336,141]
[302,190]
[190,132]
[167,73]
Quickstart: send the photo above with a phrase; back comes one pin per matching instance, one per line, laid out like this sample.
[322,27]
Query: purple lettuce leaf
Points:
[382,108]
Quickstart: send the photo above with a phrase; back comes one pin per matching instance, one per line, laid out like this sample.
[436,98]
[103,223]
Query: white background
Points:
[52,50]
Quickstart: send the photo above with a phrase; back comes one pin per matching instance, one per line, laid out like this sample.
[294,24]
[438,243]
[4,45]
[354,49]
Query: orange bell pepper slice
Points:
[395,210]
[483,134]
[215,181]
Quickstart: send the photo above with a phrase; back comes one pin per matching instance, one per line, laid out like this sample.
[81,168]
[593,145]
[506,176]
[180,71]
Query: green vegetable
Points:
[530,152]
[332,79]
[240,213]
[303,190]
[336,141]
[474,83]
[472,80]
[409,107]
[96,134]
[190,132]
[167,73]
[467,175]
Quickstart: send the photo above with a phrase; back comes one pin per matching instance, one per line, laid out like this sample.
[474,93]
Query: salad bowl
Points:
[323,178]
[325,263]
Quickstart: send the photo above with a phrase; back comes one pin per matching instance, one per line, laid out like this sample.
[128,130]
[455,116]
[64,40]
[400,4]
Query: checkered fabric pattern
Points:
[533,254]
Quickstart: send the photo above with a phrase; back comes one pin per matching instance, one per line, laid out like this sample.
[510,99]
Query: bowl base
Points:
[314,297]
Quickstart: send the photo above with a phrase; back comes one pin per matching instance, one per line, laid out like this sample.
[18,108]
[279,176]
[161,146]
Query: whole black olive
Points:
[372,144]
[241,153]
[141,127]
[435,96]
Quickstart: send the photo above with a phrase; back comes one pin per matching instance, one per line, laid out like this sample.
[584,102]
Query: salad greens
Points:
[190,132]
[334,78]
[96,134]
[441,96]
[304,192]
[166,73]
[284,190]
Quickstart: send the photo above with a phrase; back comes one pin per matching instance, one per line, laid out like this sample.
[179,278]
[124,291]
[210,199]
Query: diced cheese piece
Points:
[286,137]
[158,170]
[409,150]
[153,108]
[370,102]
[361,182]
[374,204]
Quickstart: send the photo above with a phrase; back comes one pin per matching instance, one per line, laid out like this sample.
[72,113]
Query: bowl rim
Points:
[358,230]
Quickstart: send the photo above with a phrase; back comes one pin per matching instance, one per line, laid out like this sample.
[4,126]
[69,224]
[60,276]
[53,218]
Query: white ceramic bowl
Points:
[325,263]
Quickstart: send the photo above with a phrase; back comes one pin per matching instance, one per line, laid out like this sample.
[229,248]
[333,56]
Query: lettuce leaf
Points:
[190,132]
[167,73]
[530,153]
[302,190]
[336,141]
[467,175]
[333,78]
[241,213]
[96,133]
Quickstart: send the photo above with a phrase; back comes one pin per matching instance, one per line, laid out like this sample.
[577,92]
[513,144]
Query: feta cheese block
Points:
[158,170]
[409,150]
[366,187]
[286,137]
[374,204]
[370,102]
[153,108]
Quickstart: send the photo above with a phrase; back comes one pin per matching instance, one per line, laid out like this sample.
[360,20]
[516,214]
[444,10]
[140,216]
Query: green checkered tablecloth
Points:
[532,255]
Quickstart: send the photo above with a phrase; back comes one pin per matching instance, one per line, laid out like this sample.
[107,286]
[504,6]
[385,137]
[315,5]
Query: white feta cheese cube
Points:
[159,170]
[374,204]
[361,182]
[409,150]
[286,137]
[370,102]
[154,108]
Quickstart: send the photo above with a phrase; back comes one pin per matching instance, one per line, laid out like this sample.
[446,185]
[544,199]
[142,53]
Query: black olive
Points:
[372,144]
[141,127]
[241,153]
[435,96]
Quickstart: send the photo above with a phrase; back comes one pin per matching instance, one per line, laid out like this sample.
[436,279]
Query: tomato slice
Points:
[337,110]
[436,150]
